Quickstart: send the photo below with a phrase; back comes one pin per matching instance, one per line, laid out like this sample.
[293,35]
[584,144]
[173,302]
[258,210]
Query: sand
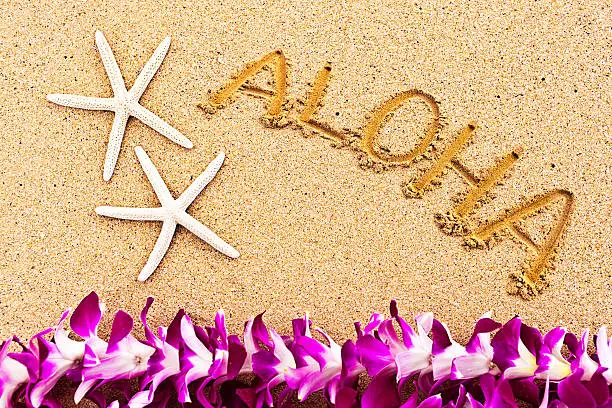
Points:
[319,227]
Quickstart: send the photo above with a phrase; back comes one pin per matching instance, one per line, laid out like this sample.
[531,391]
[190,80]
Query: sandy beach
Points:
[318,229]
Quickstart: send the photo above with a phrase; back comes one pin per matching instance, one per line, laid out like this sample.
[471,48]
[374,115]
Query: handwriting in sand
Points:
[280,111]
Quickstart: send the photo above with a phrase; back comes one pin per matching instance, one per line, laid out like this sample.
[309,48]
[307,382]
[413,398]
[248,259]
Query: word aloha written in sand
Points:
[283,111]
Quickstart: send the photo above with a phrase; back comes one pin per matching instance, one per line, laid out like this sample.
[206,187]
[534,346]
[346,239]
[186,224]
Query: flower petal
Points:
[122,326]
[382,391]
[373,354]
[573,393]
[86,317]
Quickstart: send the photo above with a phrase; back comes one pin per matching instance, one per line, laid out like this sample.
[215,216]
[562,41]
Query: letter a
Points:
[274,115]
[532,280]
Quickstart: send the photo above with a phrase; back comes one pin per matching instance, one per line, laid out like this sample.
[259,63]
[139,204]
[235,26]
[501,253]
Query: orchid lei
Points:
[500,366]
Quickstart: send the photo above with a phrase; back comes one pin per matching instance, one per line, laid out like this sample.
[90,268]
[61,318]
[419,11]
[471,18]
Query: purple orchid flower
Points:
[230,354]
[255,335]
[515,348]
[351,369]
[305,363]
[209,356]
[445,350]
[272,366]
[320,366]
[582,359]
[389,360]
[604,352]
[64,356]
[479,358]
[13,376]
[496,394]
[196,360]
[125,357]
[29,357]
[551,363]
[218,338]
[327,357]
[594,393]
[205,357]
[164,362]
[411,355]
[374,354]
[414,354]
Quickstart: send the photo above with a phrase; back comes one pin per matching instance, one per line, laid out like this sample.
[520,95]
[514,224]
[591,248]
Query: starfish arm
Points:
[201,182]
[131,213]
[205,234]
[152,120]
[110,64]
[114,143]
[159,250]
[149,70]
[82,102]
[163,194]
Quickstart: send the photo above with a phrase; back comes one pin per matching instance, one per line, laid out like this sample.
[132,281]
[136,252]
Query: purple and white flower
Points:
[551,363]
[604,352]
[13,376]
[478,359]
[444,350]
[380,346]
[515,347]
[208,367]
[582,359]
[125,357]
[274,366]
[328,360]
[64,356]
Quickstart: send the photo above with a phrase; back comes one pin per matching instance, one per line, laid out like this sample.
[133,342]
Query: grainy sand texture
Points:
[322,225]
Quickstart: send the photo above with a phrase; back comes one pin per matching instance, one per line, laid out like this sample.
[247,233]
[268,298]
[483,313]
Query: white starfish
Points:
[172,212]
[124,103]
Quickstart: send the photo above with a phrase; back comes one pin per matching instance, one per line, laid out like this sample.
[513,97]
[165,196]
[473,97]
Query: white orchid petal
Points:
[512,373]
[70,349]
[282,352]
[526,360]
[191,340]
[471,366]
[83,389]
[412,361]
[604,353]
[443,362]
